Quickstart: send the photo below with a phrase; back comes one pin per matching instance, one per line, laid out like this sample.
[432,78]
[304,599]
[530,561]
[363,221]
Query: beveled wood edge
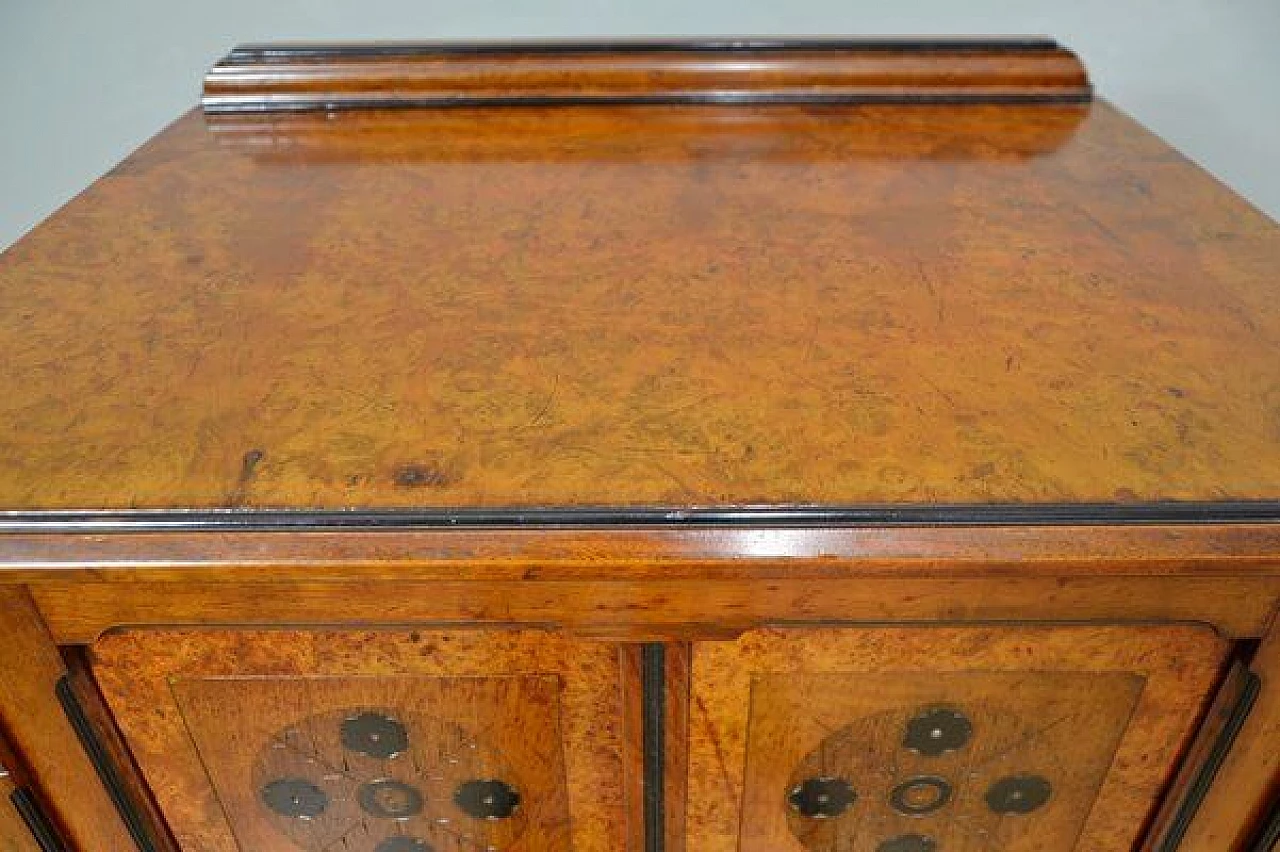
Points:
[397,75]
[632,702]
[1230,703]
[81,609]
[676,724]
[25,825]
[87,711]
[1245,785]
[40,733]
[628,553]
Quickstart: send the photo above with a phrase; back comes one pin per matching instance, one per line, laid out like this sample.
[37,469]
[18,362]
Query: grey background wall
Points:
[83,83]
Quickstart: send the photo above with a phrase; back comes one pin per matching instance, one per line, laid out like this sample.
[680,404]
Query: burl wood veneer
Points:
[644,305]
[728,446]
[1088,717]
[216,719]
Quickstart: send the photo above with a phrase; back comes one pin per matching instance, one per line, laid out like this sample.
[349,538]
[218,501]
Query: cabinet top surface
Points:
[649,305]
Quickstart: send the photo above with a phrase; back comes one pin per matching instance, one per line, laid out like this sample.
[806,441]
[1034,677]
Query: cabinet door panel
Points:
[943,739]
[333,741]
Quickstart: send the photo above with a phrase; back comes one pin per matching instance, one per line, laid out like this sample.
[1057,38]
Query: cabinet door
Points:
[380,741]
[939,739]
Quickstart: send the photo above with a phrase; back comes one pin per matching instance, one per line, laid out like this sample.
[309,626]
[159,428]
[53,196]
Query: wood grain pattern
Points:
[633,756]
[15,836]
[272,78]
[585,135]
[1182,793]
[765,701]
[1249,781]
[654,306]
[141,801]
[837,305]
[38,731]
[1063,727]
[658,610]
[672,553]
[198,707]
[253,732]
[676,745]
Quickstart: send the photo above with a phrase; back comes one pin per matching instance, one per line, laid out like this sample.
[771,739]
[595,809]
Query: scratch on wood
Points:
[933,292]
[248,469]
[719,750]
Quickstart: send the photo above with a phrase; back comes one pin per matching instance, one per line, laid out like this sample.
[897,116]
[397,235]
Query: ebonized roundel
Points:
[934,770]
[380,780]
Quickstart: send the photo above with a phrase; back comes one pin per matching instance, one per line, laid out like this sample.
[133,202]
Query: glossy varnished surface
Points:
[1097,712]
[257,78]
[645,305]
[203,712]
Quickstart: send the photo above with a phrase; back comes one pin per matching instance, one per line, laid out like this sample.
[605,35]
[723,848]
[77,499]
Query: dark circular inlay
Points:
[937,731]
[390,799]
[822,798]
[404,843]
[374,734]
[908,843]
[1018,794]
[490,799]
[921,795]
[295,797]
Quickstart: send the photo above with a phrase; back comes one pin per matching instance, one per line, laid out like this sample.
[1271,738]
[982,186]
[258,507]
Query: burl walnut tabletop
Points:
[563,279]
[715,444]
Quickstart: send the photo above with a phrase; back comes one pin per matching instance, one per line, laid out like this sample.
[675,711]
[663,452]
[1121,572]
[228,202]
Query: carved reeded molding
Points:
[304,77]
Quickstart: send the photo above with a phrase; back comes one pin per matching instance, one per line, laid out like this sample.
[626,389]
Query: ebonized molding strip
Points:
[653,675]
[938,515]
[102,762]
[37,823]
[1209,770]
[345,50]
[1268,839]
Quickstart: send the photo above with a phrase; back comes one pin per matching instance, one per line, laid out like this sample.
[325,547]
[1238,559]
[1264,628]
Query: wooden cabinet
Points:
[826,738]
[729,446]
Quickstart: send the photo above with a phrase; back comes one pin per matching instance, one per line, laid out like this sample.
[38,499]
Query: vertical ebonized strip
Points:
[106,768]
[1209,770]
[1269,838]
[41,829]
[653,665]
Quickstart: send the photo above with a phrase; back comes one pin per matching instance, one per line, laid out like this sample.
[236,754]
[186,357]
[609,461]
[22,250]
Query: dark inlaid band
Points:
[938,515]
